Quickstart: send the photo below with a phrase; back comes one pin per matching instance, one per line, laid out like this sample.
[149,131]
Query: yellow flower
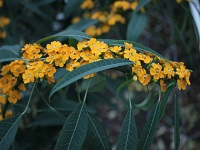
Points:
[39,72]
[52,55]
[168,70]
[54,46]
[4,21]
[7,82]
[13,96]
[144,78]
[87,4]
[115,49]
[114,18]
[121,4]
[28,76]
[181,84]
[76,19]
[82,45]
[5,69]
[108,55]
[163,85]
[72,64]
[137,69]
[98,48]
[31,51]
[86,54]
[182,71]
[22,87]
[74,54]
[49,70]
[134,5]
[131,54]
[2,99]
[156,71]
[145,58]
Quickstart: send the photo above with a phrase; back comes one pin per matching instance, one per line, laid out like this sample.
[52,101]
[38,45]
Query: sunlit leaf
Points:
[148,132]
[87,69]
[8,130]
[78,35]
[97,137]
[9,53]
[136,26]
[176,124]
[128,137]
[74,131]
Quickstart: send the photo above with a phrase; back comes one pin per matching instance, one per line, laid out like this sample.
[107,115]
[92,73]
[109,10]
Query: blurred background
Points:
[164,26]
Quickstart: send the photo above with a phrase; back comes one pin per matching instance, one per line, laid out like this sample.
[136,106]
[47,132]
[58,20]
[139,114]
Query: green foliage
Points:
[128,137]
[68,122]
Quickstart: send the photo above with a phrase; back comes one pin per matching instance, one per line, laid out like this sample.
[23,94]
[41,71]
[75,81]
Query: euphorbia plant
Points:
[83,57]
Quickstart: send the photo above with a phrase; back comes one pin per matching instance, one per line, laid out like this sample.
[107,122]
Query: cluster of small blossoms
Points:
[107,17]
[4,21]
[41,63]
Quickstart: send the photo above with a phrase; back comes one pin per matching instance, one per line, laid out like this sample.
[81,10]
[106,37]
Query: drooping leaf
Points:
[148,132]
[9,53]
[87,69]
[71,6]
[123,85]
[136,26]
[74,131]
[146,103]
[176,124]
[83,24]
[141,4]
[128,137]
[164,101]
[8,130]
[97,138]
[78,35]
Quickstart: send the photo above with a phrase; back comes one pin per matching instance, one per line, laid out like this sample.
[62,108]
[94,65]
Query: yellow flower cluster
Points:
[4,21]
[107,17]
[41,62]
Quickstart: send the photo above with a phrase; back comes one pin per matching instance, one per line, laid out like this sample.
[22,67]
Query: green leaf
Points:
[8,130]
[164,101]
[148,132]
[71,6]
[78,35]
[146,103]
[34,8]
[97,137]
[87,69]
[176,124]
[83,24]
[138,47]
[136,26]
[9,53]
[97,84]
[141,4]
[123,85]
[128,137]
[74,131]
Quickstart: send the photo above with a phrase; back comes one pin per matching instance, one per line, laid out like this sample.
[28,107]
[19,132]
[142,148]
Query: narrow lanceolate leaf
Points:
[78,35]
[141,4]
[97,137]
[137,46]
[8,130]
[74,131]
[176,125]
[164,100]
[83,24]
[128,137]
[84,70]
[9,53]
[148,132]
[136,26]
